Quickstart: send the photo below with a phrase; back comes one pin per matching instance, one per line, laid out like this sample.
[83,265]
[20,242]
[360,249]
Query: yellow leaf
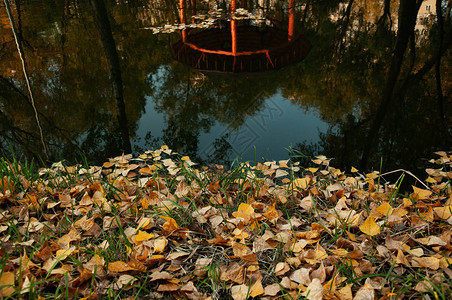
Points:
[145,223]
[354,170]
[312,170]
[160,244]
[369,227]
[345,293]
[257,289]
[443,212]
[164,147]
[170,225]
[62,254]
[301,183]
[351,236]
[119,266]
[430,180]
[185,158]
[143,236]
[245,211]
[372,175]
[384,209]
[7,284]
[421,194]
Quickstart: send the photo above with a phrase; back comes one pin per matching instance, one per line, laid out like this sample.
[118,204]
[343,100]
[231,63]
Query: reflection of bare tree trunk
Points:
[408,10]
[439,17]
[386,14]
[103,26]
[305,12]
[20,50]
[448,9]
[344,25]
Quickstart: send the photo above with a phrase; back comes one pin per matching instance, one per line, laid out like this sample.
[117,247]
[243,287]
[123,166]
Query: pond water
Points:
[329,103]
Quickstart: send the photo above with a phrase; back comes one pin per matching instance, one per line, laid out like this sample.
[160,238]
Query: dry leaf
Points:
[366,292]
[119,266]
[272,290]
[369,227]
[314,291]
[240,292]
[7,284]
[281,268]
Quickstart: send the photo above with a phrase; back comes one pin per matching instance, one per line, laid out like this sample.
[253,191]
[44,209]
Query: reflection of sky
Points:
[273,129]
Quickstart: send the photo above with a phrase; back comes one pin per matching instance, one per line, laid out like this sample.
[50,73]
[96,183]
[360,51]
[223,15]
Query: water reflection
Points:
[237,41]
[340,85]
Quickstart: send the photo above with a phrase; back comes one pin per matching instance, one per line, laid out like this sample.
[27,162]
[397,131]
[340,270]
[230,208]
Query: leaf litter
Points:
[160,226]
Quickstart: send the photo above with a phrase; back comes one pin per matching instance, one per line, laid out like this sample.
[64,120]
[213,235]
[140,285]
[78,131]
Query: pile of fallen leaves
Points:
[159,226]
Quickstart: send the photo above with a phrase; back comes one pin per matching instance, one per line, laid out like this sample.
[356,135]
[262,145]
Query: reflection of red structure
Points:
[244,48]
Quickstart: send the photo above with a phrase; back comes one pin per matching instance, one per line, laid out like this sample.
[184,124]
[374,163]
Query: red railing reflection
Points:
[250,50]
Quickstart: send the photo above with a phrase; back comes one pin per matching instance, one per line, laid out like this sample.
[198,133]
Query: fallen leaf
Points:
[301,276]
[369,227]
[366,292]
[244,211]
[160,244]
[421,194]
[143,236]
[272,290]
[345,293]
[160,276]
[256,288]
[281,268]
[119,266]
[7,284]
[239,292]
[314,291]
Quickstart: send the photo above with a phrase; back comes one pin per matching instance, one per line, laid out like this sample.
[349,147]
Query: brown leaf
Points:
[200,266]
[66,239]
[160,244]
[134,263]
[281,268]
[239,292]
[96,265]
[366,292]
[272,290]
[84,223]
[160,276]
[320,273]
[401,259]
[426,262]
[301,276]
[168,287]
[234,272]
[46,250]
[314,290]
[170,225]
[119,266]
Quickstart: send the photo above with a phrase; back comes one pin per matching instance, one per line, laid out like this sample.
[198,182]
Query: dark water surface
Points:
[329,103]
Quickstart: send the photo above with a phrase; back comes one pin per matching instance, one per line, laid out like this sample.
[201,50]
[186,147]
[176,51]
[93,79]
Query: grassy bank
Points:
[159,226]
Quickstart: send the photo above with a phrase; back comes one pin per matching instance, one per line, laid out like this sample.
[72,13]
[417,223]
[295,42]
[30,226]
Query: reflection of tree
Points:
[348,90]
[106,36]
[71,86]
[193,102]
